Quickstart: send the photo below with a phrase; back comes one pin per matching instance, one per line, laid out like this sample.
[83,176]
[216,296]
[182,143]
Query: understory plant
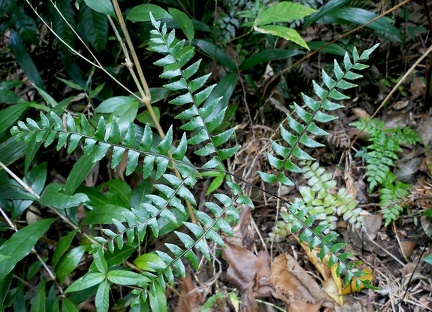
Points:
[289,157]
[119,225]
[380,157]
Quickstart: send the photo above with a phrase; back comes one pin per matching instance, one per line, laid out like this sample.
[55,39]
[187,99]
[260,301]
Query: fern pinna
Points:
[289,157]
[202,117]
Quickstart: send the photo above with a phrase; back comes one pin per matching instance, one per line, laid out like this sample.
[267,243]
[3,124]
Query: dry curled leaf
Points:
[294,286]
[247,272]
[188,301]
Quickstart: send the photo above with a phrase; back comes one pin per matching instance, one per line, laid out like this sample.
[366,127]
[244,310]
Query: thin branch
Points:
[95,63]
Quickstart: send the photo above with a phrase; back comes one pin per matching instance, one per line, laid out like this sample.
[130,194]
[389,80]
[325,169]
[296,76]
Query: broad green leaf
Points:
[157,299]
[24,59]
[143,261]
[101,6]
[104,214]
[69,262]
[8,96]
[282,12]
[184,22]
[102,297]
[100,262]
[268,55]
[68,306]
[124,112]
[39,302]
[86,281]
[140,13]
[20,244]
[332,48]
[5,288]
[123,277]
[61,27]
[325,10]
[62,246]
[12,150]
[10,115]
[145,117]
[35,179]
[52,197]
[79,172]
[283,32]
[215,53]
[93,25]
[362,17]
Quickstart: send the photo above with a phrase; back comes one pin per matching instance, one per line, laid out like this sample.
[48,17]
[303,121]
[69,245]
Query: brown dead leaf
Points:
[372,225]
[352,305]
[360,113]
[407,248]
[332,284]
[247,272]
[294,286]
[425,302]
[242,235]
[409,268]
[418,87]
[349,182]
[188,301]
[400,104]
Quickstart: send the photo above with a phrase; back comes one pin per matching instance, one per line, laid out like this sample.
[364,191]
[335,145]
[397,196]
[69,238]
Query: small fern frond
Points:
[382,153]
[299,220]
[302,127]
[326,203]
[393,199]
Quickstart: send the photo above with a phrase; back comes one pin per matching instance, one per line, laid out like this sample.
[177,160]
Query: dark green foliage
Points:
[166,204]
[380,157]
[122,220]
[382,153]
[392,198]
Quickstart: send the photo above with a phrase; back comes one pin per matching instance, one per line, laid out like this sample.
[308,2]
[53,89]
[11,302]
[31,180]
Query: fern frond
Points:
[323,199]
[289,157]
[382,153]
[298,220]
[98,142]
[393,199]
[302,126]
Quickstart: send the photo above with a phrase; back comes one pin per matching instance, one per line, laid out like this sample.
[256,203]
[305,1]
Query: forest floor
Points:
[392,253]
